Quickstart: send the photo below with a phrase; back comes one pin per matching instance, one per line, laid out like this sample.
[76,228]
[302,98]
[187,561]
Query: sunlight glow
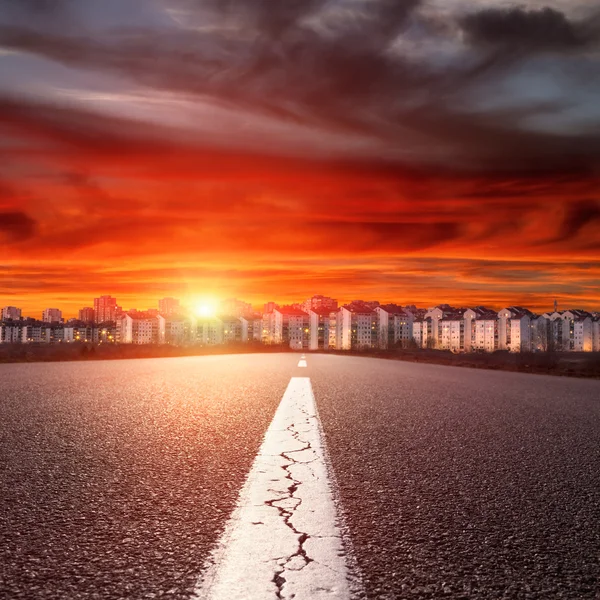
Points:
[205,308]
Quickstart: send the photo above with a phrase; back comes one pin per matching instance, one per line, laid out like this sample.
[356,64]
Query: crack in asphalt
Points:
[287,512]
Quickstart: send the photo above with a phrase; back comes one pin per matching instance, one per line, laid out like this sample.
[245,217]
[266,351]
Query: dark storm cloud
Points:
[16,227]
[521,29]
[577,216]
[333,66]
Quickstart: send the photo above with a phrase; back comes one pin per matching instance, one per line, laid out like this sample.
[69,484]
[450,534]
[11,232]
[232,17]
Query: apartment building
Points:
[480,330]
[80,332]
[10,333]
[447,328]
[37,333]
[169,307]
[289,325]
[252,326]
[52,315]
[209,331]
[596,332]
[356,327]
[516,329]
[320,322]
[173,330]
[86,314]
[571,330]
[11,313]
[236,308]
[138,328]
[319,302]
[394,326]
[106,309]
[232,329]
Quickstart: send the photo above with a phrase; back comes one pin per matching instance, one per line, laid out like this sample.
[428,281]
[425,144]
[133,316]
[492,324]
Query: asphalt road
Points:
[117,477]
[462,483]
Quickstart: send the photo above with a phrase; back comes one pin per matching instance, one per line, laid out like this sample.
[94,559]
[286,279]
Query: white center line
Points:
[302,363]
[282,540]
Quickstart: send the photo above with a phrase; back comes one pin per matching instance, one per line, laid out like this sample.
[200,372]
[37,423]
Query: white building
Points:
[232,329]
[173,330]
[139,328]
[571,330]
[517,328]
[52,315]
[447,329]
[356,327]
[321,320]
[319,302]
[169,307]
[209,331]
[36,334]
[596,333]
[481,330]
[236,308]
[10,334]
[252,326]
[290,325]
[79,332]
[11,313]
[394,326]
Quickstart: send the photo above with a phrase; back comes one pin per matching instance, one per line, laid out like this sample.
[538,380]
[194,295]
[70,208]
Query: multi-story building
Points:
[232,329]
[516,329]
[596,332]
[169,307]
[270,307]
[422,333]
[480,330]
[106,333]
[356,327]
[447,330]
[571,330]
[319,302]
[236,308]
[138,328]
[174,330]
[86,314]
[79,331]
[394,326]
[289,325]
[252,326]
[320,322]
[209,331]
[11,313]
[52,315]
[105,309]
[36,333]
[11,333]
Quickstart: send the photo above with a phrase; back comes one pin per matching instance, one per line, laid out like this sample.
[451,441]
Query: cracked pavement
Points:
[283,540]
[119,479]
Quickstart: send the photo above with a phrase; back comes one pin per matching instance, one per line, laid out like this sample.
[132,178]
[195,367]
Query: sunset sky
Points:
[417,151]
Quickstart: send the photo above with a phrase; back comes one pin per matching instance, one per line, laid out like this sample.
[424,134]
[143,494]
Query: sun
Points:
[205,309]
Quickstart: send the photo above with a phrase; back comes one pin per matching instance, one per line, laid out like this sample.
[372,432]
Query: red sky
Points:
[151,180]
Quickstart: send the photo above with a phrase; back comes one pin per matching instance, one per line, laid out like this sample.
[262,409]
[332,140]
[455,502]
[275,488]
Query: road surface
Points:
[350,476]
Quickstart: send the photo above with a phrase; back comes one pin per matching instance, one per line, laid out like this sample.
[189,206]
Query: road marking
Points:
[302,363]
[282,540]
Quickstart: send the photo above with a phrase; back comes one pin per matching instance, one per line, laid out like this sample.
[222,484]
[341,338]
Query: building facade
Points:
[11,313]
[52,315]
[105,309]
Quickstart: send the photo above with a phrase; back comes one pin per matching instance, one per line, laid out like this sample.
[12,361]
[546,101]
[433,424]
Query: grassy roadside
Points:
[570,364]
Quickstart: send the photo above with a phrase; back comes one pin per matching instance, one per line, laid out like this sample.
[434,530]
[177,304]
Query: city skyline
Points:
[433,149]
[213,305]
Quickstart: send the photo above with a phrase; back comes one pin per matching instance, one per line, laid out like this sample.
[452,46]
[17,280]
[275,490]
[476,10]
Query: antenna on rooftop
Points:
[555,305]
